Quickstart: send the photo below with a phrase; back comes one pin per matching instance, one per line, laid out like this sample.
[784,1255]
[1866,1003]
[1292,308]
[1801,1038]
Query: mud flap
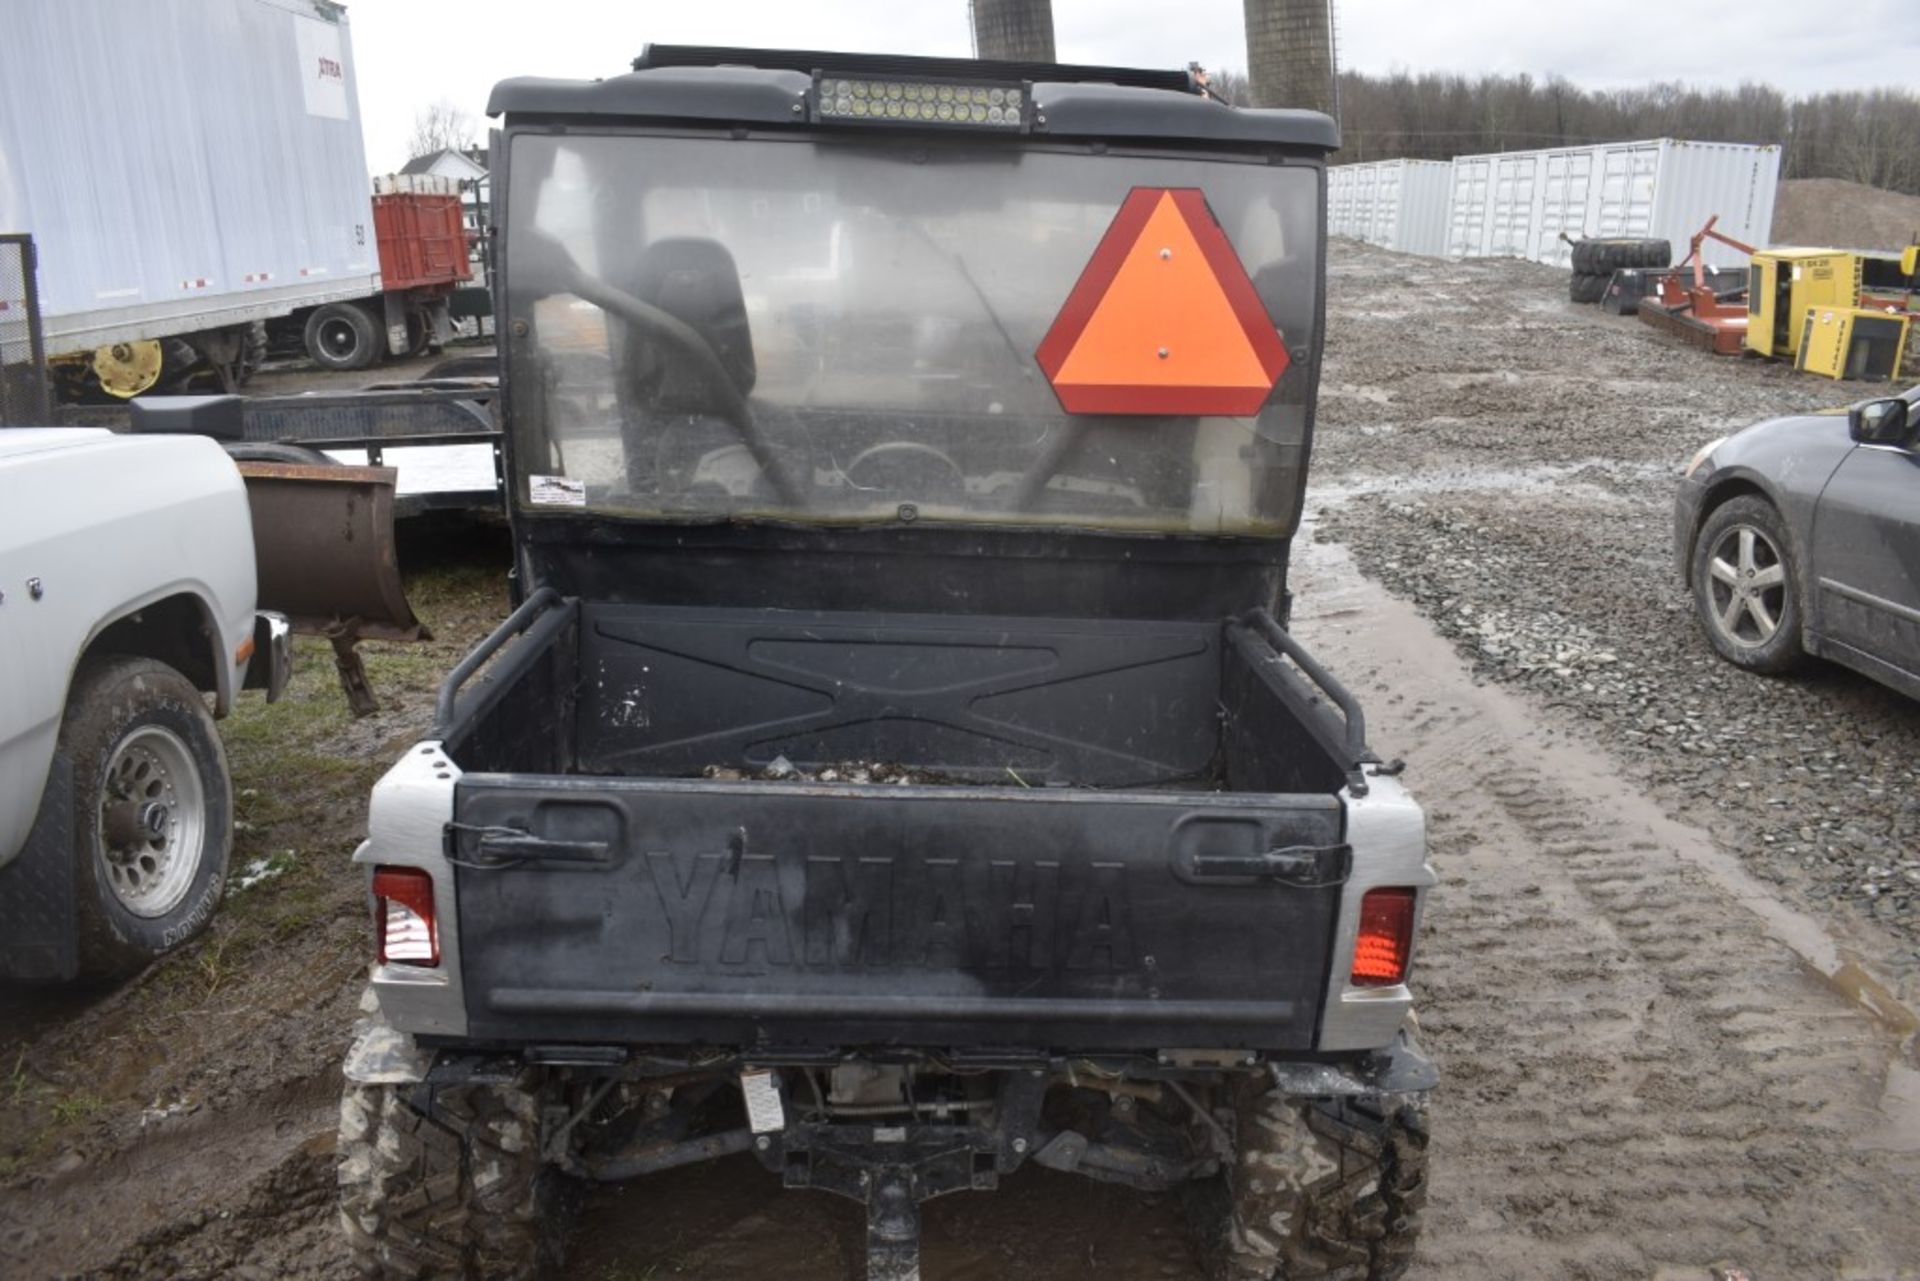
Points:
[38,931]
[323,541]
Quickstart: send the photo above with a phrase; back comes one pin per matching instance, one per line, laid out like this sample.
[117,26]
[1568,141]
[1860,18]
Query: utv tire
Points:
[1744,577]
[1322,1188]
[1604,257]
[341,335]
[152,811]
[460,1194]
[1584,287]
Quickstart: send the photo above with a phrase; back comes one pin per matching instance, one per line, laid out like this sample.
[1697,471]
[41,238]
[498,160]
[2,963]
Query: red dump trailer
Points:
[423,259]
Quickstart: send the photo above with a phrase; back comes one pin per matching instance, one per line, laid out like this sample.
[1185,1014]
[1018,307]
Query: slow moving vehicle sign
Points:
[1163,320]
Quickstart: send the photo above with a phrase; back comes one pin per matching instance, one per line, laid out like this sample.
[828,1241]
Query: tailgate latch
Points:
[1304,867]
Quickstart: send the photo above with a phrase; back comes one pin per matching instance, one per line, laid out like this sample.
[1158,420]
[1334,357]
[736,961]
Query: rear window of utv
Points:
[844,330]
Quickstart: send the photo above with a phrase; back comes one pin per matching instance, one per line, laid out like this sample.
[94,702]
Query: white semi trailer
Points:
[188,169]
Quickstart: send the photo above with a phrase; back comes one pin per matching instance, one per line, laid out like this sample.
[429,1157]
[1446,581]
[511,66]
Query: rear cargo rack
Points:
[518,621]
[1357,751]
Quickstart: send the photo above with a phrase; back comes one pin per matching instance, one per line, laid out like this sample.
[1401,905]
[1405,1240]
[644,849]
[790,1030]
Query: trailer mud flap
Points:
[324,544]
[769,914]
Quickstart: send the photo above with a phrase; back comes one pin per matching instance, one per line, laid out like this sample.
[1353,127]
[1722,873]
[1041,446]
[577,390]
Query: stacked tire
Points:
[1595,261]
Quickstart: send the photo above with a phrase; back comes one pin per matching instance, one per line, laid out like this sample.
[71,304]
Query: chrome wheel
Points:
[153,821]
[1747,586]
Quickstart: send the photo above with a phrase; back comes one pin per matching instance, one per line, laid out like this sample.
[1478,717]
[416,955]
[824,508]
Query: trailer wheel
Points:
[1319,1188]
[1587,287]
[253,352]
[462,1193]
[152,811]
[342,336]
[1603,257]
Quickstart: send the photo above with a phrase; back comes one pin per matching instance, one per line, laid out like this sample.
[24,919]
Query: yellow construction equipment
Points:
[1786,287]
[1855,343]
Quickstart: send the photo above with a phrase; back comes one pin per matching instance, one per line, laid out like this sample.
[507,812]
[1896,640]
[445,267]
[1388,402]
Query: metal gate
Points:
[24,399]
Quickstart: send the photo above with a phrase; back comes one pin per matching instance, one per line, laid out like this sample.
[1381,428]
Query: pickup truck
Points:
[126,601]
[898,767]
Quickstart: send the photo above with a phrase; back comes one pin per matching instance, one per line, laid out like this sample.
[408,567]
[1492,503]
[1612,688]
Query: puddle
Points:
[1557,479]
[1900,1104]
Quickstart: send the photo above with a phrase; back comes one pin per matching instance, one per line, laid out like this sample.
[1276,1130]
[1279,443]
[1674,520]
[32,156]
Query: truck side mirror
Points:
[1879,422]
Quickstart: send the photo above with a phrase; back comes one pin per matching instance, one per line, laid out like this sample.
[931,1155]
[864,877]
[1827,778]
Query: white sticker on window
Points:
[556,491]
[764,1111]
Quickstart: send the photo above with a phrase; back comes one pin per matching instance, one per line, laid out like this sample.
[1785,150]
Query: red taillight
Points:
[1386,938]
[403,914]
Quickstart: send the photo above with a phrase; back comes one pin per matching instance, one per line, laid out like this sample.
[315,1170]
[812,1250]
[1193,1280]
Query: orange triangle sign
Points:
[1163,320]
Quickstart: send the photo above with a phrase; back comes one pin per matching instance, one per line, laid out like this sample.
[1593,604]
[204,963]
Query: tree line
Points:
[1866,135]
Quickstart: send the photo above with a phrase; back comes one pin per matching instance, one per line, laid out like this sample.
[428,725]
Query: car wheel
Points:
[1746,588]
[152,812]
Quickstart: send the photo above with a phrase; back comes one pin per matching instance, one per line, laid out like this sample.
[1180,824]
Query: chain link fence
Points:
[24,398]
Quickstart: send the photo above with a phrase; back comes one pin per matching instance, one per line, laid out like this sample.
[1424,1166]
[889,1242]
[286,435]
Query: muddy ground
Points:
[1657,1059]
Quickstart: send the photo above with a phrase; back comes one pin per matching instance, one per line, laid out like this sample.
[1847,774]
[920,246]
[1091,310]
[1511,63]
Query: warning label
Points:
[1163,320]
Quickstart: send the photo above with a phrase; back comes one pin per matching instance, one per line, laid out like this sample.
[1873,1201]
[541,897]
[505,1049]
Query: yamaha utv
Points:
[898,767]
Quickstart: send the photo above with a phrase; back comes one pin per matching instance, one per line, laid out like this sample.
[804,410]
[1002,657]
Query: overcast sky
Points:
[410,52]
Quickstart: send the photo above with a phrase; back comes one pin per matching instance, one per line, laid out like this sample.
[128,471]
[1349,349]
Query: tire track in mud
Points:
[1637,1079]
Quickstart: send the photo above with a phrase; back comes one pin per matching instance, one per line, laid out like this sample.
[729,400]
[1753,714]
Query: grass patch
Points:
[77,1109]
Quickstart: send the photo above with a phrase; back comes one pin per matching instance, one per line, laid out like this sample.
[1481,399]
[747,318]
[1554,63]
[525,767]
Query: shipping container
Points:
[183,165]
[1396,204]
[1529,204]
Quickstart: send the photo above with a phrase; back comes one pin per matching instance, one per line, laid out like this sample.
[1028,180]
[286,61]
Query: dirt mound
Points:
[1833,213]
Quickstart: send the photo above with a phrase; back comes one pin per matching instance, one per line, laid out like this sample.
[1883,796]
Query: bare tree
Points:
[1861,135]
[440,127]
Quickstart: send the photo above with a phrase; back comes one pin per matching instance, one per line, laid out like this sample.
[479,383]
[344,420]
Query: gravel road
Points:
[1670,1045]
[1507,461]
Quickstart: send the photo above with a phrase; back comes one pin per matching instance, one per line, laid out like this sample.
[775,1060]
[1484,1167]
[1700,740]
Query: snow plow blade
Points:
[324,544]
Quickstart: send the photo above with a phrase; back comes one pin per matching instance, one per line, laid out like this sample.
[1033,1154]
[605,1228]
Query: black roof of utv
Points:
[770,87]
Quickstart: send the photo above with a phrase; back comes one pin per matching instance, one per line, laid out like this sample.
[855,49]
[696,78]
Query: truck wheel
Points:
[1320,1188]
[152,811]
[460,1194]
[1587,287]
[342,336]
[1744,586]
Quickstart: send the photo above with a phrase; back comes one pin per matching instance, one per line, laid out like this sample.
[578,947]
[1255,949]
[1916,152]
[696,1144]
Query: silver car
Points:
[1801,536]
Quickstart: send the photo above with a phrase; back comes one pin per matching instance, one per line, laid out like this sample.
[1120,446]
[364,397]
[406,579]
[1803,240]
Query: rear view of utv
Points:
[898,769]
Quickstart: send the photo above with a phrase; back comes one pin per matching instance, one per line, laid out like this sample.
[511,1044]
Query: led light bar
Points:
[973,105]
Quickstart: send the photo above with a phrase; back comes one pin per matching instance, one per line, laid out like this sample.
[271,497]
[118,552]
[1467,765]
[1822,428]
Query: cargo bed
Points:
[1141,846]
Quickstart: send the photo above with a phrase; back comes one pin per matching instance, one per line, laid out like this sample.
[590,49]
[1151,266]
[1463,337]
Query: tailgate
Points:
[810,914]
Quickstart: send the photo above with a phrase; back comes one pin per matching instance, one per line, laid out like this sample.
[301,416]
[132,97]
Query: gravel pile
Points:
[1507,461]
